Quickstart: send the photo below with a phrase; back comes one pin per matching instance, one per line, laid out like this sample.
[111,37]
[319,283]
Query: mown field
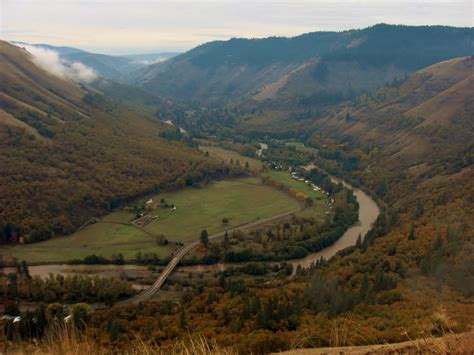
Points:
[239,200]
[226,155]
[103,239]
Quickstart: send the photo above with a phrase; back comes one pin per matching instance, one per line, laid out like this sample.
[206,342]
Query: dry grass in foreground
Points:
[66,341]
[448,344]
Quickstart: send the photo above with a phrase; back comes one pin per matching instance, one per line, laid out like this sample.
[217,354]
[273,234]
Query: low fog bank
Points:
[51,61]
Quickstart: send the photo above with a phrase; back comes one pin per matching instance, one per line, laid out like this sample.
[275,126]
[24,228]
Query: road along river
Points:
[368,212]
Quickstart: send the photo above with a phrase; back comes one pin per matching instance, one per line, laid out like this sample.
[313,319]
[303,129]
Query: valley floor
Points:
[239,200]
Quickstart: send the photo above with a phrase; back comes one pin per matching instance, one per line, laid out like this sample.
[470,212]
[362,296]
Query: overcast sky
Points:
[127,26]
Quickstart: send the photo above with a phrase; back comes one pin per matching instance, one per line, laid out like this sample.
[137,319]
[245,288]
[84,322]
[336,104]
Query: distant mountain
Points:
[422,123]
[314,68]
[111,67]
[151,58]
[60,50]
[68,153]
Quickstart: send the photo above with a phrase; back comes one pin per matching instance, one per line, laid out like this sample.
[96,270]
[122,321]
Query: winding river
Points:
[368,212]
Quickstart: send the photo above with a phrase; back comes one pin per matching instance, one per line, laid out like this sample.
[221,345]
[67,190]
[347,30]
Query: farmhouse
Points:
[150,204]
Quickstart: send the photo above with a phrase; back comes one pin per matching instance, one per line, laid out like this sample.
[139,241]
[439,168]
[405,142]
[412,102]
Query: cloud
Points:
[51,61]
[150,61]
[150,26]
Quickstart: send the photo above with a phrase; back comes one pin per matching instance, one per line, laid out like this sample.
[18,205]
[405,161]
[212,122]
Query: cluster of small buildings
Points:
[151,206]
[276,166]
[295,175]
[315,187]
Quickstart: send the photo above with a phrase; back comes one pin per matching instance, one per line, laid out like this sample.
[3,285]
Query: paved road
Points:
[150,292]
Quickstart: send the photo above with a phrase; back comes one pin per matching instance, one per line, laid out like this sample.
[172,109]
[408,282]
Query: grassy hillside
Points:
[314,68]
[68,153]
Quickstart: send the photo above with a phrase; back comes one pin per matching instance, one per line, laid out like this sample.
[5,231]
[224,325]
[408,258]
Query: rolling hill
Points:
[69,153]
[317,68]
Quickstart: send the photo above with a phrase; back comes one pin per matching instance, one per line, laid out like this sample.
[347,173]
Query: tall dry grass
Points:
[448,343]
[64,340]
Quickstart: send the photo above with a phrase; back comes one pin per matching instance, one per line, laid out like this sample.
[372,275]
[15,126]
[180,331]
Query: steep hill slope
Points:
[68,153]
[426,119]
[314,68]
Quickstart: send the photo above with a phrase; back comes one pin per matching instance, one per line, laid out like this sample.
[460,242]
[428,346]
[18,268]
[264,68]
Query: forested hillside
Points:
[388,109]
[319,68]
[415,125]
[69,153]
[410,145]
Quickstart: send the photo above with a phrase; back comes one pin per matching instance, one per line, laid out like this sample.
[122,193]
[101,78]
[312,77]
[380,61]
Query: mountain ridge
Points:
[112,67]
[237,69]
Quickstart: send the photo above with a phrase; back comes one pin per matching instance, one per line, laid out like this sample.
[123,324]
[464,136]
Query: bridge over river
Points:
[368,212]
[181,253]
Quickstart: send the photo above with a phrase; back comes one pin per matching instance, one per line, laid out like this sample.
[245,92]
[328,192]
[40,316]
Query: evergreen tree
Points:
[114,331]
[149,329]
[411,235]
[24,270]
[183,324]
[364,288]
[204,238]
[226,241]
[222,281]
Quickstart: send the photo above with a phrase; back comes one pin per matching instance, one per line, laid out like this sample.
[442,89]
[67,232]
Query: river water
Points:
[368,212]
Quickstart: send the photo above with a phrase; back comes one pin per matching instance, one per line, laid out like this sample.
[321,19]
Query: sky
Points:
[128,26]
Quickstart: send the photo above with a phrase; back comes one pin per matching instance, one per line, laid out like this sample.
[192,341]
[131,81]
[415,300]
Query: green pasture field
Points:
[239,200]
[103,239]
